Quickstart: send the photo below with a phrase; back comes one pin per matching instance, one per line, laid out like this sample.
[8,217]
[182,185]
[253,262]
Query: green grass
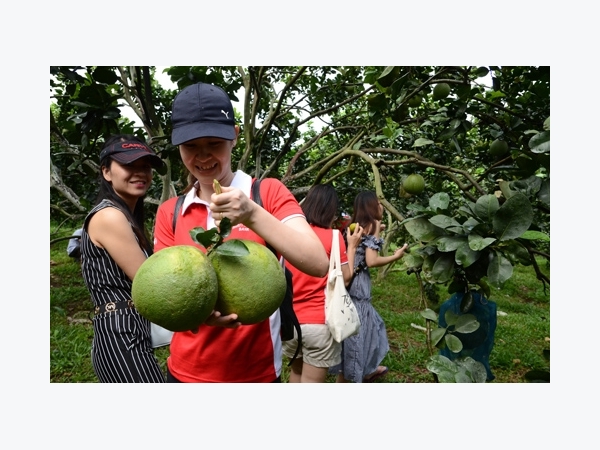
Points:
[522,333]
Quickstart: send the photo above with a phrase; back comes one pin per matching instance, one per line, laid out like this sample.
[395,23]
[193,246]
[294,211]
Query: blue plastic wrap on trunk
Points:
[478,345]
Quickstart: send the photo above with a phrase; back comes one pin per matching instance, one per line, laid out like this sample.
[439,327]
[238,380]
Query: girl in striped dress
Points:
[113,247]
[363,353]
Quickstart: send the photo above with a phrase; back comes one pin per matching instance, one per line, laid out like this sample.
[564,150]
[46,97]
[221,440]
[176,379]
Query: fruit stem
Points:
[217,186]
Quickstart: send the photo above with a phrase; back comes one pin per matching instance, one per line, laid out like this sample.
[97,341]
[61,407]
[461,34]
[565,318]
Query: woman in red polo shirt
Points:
[319,350]
[223,350]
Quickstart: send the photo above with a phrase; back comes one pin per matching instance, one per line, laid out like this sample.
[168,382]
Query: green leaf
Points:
[436,335]
[453,343]
[528,186]
[225,227]
[439,201]
[234,247]
[467,209]
[499,269]
[446,377]
[450,317]
[450,243]
[467,302]
[476,369]
[420,142]
[422,230]
[513,218]
[429,314]
[464,256]
[446,134]
[80,104]
[462,376]
[516,253]
[481,72]
[105,75]
[466,323]
[484,288]
[443,268]
[478,243]
[540,143]
[443,221]
[417,207]
[205,238]
[486,206]
[412,260]
[469,224]
[532,235]
[387,76]
[439,364]
[547,124]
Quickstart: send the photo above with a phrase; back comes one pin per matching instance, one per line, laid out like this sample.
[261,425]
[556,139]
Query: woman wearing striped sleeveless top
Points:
[113,247]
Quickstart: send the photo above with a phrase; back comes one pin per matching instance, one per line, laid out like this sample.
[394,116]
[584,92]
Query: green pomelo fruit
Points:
[176,288]
[441,91]
[414,184]
[400,114]
[498,148]
[251,286]
[415,101]
[377,102]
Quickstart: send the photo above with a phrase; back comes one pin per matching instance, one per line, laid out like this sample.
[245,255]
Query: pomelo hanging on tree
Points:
[441,91]
[498,148]
[414,184]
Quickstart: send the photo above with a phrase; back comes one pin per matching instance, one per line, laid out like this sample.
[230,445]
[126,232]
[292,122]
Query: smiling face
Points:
[209,158]
[130,181]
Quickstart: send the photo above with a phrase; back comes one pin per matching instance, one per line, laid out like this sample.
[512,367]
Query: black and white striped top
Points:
[104,279]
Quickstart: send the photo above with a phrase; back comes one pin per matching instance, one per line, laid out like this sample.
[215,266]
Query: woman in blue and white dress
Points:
[363,353]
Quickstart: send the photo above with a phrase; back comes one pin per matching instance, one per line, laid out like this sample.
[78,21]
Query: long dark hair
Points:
[366,210]
[107,192]
[320,205]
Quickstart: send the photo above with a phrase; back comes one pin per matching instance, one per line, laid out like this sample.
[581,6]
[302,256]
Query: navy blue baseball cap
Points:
[202,110]
[126,152]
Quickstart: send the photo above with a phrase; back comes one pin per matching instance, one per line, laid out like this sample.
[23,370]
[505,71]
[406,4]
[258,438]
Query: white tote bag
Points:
[340,313]
[160,336]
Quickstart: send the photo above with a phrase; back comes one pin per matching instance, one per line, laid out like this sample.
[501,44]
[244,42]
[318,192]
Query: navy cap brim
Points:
[195,130]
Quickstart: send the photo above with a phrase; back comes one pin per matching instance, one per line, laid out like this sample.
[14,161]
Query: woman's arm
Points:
[109,229]
[373,258]
[353,243]
[294,240]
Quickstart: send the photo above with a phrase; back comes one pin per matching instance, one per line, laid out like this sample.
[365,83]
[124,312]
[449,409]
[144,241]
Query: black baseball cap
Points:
[202,110]
[126,152]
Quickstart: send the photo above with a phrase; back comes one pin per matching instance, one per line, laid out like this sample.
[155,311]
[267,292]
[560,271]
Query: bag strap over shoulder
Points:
[178,204]
[335,259]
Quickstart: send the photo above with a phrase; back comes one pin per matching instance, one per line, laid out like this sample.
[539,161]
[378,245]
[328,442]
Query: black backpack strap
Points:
[289,320]
[178,204]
